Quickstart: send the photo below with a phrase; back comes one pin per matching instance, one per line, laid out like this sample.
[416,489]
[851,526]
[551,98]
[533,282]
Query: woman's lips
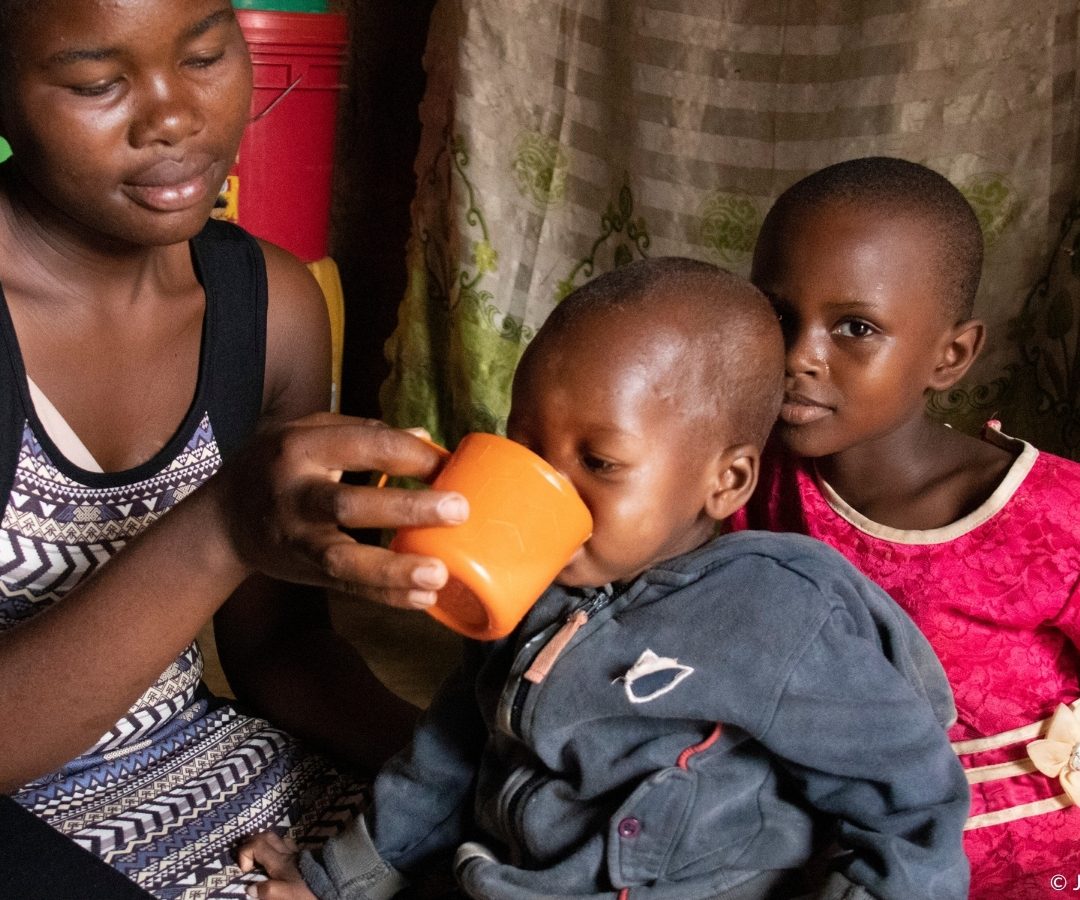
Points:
[799,410]
[172,187]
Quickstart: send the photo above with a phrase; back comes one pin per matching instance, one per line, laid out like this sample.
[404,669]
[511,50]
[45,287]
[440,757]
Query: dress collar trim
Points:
[1026,455]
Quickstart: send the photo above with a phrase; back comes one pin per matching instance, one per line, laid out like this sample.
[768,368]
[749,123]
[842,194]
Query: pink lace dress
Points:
[997,595]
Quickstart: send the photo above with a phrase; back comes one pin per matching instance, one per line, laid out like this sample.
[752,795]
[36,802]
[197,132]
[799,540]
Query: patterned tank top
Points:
[61,522]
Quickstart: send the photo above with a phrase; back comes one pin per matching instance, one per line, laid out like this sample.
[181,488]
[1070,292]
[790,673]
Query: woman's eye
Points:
[855,328]
[98,89]
[205,61]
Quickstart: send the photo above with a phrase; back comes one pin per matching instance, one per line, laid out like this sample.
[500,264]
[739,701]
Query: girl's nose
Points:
[805,352]
[167,113]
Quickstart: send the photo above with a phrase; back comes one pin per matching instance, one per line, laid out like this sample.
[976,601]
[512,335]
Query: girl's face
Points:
[125,115]
[858,299]
[621,433]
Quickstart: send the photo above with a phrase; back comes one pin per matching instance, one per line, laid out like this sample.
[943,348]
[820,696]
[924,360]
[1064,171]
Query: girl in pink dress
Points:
[872,266]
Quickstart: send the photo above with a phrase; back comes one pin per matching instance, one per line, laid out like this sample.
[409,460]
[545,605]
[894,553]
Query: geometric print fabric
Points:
[167,793]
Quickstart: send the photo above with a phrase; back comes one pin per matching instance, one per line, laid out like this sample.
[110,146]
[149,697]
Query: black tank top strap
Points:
[231,267]
[12,414]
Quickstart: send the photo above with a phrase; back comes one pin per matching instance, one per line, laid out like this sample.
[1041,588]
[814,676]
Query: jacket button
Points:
[630,827]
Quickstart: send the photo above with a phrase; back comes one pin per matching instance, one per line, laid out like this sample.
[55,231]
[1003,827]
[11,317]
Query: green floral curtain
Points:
[561,139]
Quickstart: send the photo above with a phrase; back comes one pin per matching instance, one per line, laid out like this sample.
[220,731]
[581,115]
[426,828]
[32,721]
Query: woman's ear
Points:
[958,351]
[734,479]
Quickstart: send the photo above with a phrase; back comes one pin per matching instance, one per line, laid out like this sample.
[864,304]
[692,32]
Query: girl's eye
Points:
[855,328]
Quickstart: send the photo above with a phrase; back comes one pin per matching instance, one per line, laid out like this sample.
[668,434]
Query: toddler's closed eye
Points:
[597,465]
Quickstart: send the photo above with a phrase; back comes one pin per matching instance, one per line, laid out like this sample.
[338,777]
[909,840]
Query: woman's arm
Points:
[284,659]
[68,674]
[277,506]
[276,642]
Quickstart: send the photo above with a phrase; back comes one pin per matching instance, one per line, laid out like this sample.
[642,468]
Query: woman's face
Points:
[125,115]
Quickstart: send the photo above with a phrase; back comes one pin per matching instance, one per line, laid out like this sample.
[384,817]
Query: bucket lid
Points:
[313,6]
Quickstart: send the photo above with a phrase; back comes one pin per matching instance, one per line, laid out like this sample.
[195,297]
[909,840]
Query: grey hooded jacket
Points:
[703,733]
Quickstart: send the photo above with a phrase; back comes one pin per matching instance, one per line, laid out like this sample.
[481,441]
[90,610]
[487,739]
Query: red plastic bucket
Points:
[280,187]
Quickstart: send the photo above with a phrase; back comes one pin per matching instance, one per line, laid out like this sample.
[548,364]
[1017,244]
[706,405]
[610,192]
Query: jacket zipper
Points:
[537,671]
[545,659]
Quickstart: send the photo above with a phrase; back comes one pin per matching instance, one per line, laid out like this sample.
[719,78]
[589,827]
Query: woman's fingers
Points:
[396,579]
[345,444]
[289,509]
[356,506]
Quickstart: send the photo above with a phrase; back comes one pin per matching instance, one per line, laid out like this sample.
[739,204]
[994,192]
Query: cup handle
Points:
[422,434]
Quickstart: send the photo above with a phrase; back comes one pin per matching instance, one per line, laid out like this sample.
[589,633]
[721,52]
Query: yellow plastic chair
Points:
[326,273]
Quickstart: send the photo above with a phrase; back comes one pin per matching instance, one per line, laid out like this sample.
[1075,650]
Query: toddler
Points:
[682,715]
[873,265]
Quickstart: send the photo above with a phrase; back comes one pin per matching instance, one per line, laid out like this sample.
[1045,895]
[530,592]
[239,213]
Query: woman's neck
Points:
[924,476]
[63,265]
[112,338]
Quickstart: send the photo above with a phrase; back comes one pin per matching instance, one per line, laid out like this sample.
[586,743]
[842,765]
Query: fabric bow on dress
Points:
[1058,754]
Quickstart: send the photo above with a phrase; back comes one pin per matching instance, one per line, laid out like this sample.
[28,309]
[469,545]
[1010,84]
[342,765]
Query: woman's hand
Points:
[277,856]
[288,507]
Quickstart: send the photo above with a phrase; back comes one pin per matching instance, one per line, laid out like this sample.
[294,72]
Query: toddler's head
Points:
[872,265]
[652,388]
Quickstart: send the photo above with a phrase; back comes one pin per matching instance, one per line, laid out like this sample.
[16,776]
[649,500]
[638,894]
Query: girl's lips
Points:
[801,411]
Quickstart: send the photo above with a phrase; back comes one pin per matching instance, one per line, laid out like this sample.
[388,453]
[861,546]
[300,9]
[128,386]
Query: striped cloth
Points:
[561,138]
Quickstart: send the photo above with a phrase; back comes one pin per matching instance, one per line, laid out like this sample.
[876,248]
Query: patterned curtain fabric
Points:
[564,137]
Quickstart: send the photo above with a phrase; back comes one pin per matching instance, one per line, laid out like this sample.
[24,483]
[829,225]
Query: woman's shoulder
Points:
[297,337]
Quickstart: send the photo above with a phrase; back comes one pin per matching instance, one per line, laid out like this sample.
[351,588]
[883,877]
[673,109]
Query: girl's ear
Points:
[734,480]
[959,349]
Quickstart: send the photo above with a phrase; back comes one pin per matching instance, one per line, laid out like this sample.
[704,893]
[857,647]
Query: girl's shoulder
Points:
[1034,470]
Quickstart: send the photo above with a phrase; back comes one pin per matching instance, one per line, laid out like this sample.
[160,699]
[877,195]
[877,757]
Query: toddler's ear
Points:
[959,347]
[734,479]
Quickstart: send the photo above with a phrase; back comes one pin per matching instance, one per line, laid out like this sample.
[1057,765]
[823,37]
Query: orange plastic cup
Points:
[525,523]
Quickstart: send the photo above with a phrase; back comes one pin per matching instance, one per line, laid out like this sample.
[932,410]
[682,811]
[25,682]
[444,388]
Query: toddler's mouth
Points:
[566,574]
